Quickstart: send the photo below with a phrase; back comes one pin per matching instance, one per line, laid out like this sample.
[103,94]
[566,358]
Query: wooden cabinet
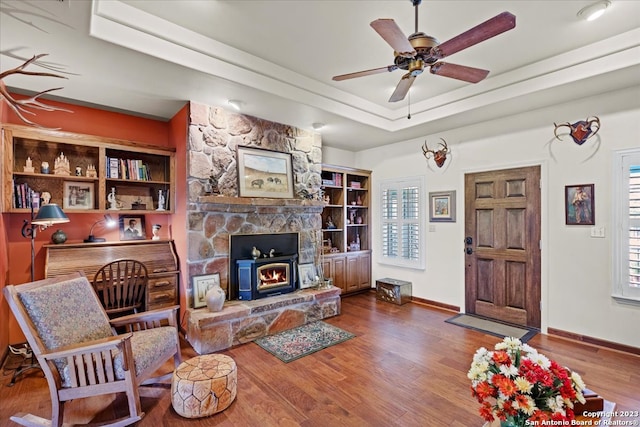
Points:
[159,256]
[346,228]
[138,174]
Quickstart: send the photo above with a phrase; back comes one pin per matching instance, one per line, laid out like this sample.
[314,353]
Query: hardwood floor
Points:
[406,367]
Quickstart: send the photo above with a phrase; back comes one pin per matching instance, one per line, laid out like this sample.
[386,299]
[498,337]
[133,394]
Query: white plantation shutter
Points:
[402,214]
[626,237]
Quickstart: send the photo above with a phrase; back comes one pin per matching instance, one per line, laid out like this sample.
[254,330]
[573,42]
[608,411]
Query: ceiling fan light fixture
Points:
[594,11]
[317,125]
[235,103]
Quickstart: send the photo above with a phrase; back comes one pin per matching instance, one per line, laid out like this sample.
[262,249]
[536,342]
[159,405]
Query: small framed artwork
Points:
[264,173]
[132,227]
[579,204]
[307,275]
[77,195]
[442,206]
[201,284]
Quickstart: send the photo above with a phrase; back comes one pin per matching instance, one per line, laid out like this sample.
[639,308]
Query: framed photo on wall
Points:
[201,284]
[442,206]
[77,195]
[264,173]
[579,204]
[132,227]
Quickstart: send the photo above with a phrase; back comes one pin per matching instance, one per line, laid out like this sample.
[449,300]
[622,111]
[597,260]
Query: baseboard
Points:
[594,341]
[435,304]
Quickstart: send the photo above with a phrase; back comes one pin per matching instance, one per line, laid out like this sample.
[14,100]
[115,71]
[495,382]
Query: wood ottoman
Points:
[204,385]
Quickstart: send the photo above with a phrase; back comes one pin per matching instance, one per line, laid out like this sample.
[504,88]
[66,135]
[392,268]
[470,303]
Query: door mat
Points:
[306,339]
[493,327]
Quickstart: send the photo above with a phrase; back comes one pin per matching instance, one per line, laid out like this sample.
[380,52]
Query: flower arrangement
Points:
[519,386]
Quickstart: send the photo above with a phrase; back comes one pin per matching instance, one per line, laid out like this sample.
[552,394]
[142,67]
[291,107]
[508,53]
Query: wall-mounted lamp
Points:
[108,222]
[48,215]
[317,125]
[235,103]
[594,11]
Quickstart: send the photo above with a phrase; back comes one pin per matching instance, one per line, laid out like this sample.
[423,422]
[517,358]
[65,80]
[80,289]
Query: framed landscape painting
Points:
[442,206]
[264,173]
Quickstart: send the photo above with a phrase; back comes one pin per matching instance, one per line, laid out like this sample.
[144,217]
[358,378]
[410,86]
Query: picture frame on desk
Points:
[264,173]
[132,227]
[78,195]
[201,284]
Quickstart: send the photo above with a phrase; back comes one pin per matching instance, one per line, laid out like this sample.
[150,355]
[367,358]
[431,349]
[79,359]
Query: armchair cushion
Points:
[145,346]
[66,313]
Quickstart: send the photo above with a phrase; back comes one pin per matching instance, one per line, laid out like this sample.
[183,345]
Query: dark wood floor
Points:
[406,367]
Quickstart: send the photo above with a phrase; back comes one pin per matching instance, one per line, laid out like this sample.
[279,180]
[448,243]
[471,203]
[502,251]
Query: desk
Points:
[159,256]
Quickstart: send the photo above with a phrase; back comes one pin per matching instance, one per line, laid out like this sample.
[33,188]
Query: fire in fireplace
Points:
[263,277]
[278,264]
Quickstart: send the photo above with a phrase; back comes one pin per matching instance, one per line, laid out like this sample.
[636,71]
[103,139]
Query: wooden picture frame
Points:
[132,227]
[307,275]
[201,284]
[442,206]
[78,195]
[264,173]
[579,204]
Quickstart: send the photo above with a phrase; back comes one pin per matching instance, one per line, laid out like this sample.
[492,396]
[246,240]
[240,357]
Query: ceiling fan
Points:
[419,50]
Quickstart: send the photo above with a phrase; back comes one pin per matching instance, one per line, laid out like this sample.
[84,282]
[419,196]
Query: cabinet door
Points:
[337,273]
[364,270]
[353,273]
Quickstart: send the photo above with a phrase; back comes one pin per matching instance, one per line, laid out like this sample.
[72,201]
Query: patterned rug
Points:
[306,339]
[493,327]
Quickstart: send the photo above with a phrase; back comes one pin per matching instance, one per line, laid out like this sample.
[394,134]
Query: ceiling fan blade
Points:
[403,88]
[392,34]
[386,69]
[459,72]
[490,28]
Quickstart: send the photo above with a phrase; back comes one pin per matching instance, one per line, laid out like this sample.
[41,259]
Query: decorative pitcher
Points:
[215,297]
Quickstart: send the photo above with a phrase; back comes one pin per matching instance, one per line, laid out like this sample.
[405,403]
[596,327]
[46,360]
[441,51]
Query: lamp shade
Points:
[50,214]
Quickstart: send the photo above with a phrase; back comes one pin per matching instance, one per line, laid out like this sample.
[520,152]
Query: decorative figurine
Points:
[44,167]
[211,187]
[255,253]
[156,230]
[330,224]
[61,165]
[111,198]
[46,197]
[160,201]
[91,172]
[29,166]
[78,171]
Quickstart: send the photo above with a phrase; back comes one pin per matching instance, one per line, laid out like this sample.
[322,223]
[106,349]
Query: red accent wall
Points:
[89,121]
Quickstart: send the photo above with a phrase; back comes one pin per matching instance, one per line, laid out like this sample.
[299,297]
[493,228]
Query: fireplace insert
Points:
[263,277]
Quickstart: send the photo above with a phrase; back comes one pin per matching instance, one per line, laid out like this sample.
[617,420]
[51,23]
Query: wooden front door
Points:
[502,245]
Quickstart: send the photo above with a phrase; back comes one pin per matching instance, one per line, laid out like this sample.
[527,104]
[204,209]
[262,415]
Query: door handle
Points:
[468,240]
[468,251]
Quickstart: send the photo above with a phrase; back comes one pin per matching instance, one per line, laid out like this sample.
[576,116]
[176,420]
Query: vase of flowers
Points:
[519,386]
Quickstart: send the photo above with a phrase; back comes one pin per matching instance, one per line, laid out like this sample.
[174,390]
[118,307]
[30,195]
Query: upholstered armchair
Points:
[80,355]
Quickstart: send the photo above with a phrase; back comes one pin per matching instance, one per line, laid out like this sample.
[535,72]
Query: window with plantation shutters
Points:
[626,235]
[402,219]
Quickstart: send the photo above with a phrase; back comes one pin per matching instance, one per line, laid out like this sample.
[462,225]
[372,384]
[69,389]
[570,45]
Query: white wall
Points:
[576,268]
[338,157]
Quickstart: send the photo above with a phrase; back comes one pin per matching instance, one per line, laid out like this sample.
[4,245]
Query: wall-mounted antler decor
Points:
[581,130]
[22,106]
[439,156]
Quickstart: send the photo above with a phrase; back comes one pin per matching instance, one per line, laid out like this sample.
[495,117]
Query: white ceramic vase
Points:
[215,297]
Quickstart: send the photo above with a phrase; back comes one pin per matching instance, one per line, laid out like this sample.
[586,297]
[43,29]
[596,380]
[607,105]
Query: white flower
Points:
[577,380]
[541,360]
[509,371]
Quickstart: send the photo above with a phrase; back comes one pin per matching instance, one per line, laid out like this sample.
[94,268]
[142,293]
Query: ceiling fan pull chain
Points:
[409,105]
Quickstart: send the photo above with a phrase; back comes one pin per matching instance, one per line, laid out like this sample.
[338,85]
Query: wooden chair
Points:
[71,335]
[121,286]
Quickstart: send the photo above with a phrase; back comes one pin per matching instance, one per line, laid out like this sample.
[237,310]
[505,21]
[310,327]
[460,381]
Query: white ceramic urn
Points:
[215,297]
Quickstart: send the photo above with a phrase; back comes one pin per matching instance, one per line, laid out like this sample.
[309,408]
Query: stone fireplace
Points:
[214,220]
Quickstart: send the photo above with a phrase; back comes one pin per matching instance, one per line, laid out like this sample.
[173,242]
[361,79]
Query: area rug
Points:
[306,339]
[493,327]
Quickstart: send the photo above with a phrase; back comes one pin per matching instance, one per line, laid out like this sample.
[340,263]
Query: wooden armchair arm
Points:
[95,346]
[147,319]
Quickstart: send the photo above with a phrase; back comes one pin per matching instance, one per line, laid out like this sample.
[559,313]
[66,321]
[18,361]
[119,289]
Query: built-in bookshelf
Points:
[346,228]
[79,172]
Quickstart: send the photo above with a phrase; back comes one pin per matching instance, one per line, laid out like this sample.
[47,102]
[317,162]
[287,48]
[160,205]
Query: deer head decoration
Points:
[581,130]
[26,106]
[439,156]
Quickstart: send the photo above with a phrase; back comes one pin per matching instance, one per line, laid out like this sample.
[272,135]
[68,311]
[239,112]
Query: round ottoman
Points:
[204,385]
